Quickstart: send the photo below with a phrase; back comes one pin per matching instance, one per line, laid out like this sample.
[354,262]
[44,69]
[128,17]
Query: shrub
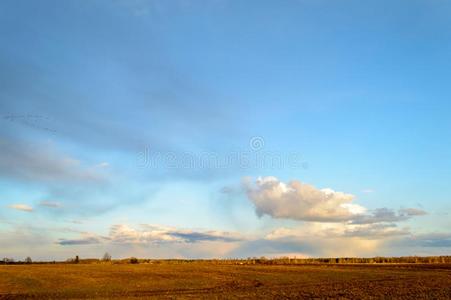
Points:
[133,260]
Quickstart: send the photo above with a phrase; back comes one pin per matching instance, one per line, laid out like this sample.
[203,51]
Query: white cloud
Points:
[125,234]
[303,202]
[300,201]
[23,207]
[103,165]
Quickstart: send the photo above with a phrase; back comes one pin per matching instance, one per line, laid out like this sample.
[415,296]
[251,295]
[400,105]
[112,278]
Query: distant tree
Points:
[77,260]
[28,260]
[7,260]
[133,260]
[106,257]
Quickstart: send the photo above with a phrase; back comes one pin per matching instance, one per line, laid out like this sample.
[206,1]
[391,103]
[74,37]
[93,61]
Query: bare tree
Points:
[28,260]
[7,260]
[106,257]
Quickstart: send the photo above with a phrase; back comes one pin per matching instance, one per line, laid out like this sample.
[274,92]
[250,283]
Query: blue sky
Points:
[224,128]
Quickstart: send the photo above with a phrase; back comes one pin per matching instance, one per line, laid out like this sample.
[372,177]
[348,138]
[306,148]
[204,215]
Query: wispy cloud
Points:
[22,207]
[102,165]
[375,231]
[81,241]
[435,240]
[43,163]
[368,191]
[51,204]
[387,215]
[338,230]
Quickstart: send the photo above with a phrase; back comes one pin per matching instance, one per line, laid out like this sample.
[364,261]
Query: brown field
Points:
[206,280]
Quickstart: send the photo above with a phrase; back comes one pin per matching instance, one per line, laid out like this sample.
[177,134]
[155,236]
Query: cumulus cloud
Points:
[23,207]
[156,234]
[300,201]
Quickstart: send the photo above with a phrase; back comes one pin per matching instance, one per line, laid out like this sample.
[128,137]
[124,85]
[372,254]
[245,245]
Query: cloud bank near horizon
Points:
[310,239]
[152,234]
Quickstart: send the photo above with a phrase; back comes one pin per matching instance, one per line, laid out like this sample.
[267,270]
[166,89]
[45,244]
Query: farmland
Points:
[208,280]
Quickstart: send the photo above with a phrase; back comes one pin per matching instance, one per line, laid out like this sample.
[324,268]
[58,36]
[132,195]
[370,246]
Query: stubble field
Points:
[203,280]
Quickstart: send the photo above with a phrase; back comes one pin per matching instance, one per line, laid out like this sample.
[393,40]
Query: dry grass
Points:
[206,280]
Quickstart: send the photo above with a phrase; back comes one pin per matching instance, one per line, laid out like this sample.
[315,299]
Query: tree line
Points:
[248,261]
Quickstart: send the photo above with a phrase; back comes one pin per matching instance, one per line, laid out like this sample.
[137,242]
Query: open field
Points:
[203,280]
